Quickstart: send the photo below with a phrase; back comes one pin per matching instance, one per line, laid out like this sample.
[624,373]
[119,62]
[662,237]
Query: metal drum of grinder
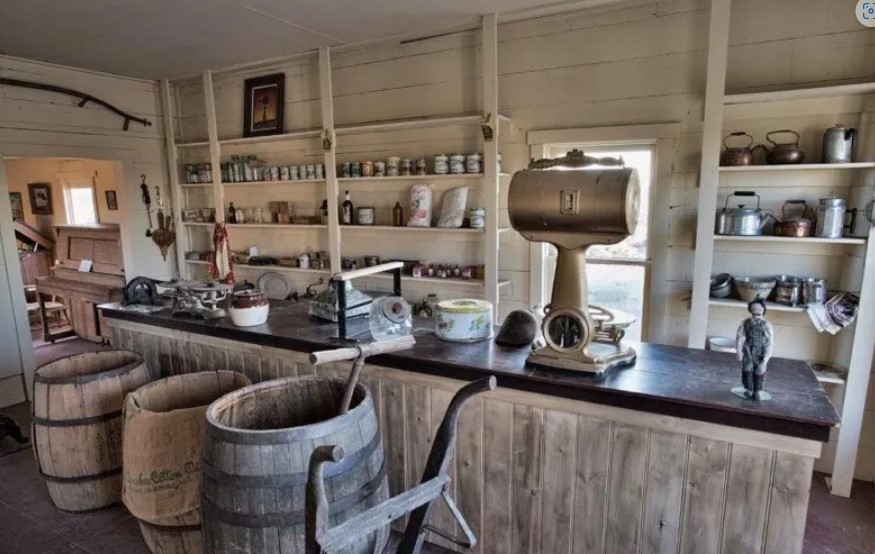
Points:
[574,208]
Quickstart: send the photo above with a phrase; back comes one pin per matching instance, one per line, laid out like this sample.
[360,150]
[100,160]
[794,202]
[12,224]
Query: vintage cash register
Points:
[575,202]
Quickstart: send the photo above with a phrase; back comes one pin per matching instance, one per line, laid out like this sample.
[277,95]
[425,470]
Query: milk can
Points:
[831,218]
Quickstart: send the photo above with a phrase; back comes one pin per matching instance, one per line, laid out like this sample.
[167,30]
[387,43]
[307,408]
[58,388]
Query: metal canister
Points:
[839,143]
[814,291]
[466,320]
[788,290]
[830,218]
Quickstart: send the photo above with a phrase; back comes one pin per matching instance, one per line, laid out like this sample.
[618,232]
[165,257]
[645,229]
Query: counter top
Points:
[667,380]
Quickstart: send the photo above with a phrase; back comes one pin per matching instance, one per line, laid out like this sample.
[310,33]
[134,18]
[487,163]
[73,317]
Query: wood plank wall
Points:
[638,64]
[539,475]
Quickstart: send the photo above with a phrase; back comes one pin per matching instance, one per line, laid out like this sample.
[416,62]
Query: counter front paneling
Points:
[655,458]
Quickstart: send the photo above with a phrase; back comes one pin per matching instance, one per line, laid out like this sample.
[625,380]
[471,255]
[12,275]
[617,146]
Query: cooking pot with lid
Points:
[738,155]
[784,153]
[795,225]
[741,221]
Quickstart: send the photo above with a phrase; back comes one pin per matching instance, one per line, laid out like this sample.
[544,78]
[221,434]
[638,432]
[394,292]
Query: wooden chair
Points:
[53,308]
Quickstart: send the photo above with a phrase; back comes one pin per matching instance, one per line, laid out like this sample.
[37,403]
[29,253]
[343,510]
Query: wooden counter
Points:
[660,457]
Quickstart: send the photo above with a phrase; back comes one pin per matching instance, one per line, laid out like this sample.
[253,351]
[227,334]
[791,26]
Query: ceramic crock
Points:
[463,320]
[248,308]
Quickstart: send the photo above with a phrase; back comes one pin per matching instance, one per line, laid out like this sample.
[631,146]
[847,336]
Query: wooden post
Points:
[215,148]
[490,155]
[331,190]
[860,366]
[182,244]
[715,89]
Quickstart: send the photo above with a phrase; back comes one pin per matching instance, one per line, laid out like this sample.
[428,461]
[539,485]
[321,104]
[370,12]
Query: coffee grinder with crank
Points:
[575,202]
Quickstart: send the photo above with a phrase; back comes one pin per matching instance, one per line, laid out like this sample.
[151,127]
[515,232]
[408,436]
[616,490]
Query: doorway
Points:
[45,193]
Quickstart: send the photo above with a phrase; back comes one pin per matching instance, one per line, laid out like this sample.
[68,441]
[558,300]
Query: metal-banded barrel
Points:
[256,457]
[77,426]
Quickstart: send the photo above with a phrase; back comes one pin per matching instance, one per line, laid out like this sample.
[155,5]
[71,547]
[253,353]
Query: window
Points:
[79,199]
[618,275]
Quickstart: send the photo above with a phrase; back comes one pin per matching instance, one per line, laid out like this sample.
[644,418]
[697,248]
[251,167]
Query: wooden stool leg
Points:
[44,317]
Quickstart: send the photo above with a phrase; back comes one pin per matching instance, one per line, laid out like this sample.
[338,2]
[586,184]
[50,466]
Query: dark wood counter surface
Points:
[674,381]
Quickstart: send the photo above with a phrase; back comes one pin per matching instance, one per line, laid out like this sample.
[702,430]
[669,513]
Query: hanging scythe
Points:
[83,98]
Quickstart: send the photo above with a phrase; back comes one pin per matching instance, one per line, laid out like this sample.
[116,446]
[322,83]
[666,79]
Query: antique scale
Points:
[575,202]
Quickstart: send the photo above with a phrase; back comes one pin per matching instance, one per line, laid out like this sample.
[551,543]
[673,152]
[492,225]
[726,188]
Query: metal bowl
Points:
[754,288]
[721,285]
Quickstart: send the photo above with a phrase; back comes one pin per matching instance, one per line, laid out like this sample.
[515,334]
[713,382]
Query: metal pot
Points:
[741,221]
[721,285]
[739,155]
[786,152]
[795,225]
[831,214]
[814,291]
[788,290]
[838,144]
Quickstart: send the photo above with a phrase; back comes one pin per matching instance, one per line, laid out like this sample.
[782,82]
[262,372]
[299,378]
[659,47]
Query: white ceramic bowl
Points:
[721,344]
[249,317]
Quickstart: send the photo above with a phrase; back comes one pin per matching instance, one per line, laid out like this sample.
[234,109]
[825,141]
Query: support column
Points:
[331,189]
[490,154]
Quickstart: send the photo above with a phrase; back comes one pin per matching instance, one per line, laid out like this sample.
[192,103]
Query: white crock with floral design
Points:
[463,320]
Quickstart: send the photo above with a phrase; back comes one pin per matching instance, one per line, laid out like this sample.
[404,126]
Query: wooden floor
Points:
[29,524]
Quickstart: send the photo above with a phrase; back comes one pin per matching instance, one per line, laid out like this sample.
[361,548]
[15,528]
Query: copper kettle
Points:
[786,152]
[795,225]
[738,155]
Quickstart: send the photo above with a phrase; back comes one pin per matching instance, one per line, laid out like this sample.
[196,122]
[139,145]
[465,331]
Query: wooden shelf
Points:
[194,185]
[799,93]
[196,144]
[270,268]
[415,230]
[284,227]
[407,280]
[797,167]
[293,135]
[429,177]
[412,123]
[268,183]
[790,240]
[772,306]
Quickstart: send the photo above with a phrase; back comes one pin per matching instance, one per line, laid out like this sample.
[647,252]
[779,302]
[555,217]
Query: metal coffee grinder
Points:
[575,202]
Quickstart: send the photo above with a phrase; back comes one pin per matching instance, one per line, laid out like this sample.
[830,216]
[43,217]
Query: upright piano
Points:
[82,291]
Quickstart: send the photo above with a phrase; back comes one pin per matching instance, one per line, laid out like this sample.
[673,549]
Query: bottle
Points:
[232,214]
[397,215]
[324,209]
[346,210]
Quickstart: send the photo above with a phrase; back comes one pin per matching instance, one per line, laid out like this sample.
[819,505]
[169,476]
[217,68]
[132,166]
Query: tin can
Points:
[478,218]
[320,171]
[464,320]
[349,263]
[274,173]
[365,215]
[355,170]
[284,173]
[345,169]
[311,172]
[367,169]
[473,163]
[441,164]
[457,164]
[371,261]
[379,169]
[421,167]
[393,166]
[294,173]
[406,168]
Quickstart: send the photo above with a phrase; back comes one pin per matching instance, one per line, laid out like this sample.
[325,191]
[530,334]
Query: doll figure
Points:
[754,343]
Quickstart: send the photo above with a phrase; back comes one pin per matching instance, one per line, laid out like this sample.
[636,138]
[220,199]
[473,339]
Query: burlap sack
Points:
[163,442]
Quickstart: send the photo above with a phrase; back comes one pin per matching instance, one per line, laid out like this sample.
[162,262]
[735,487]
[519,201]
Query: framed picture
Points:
[263,99]
[40,198]
[17,205]
[111,201]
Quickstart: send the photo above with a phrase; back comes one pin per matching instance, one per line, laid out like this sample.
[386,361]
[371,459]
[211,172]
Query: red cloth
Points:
[221,264]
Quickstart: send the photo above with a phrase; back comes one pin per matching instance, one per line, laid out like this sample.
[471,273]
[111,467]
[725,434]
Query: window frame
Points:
[66,181]
[663,138]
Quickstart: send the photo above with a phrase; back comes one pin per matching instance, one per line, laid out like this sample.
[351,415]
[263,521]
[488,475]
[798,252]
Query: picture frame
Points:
[263,99]
[40,198]
[111,201]
[17,203]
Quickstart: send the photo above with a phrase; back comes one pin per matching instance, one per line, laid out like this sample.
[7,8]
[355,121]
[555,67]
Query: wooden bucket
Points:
[77,426]
[257,452]
[163,446]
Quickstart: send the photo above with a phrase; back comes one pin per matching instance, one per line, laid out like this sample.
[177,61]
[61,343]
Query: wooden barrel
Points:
[259,441]
[77,425]
[163,445]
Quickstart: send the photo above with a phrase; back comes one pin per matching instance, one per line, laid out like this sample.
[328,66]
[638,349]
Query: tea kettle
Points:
[795,225]
[739,155]
[786,152]
[838,145]
[741,220]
